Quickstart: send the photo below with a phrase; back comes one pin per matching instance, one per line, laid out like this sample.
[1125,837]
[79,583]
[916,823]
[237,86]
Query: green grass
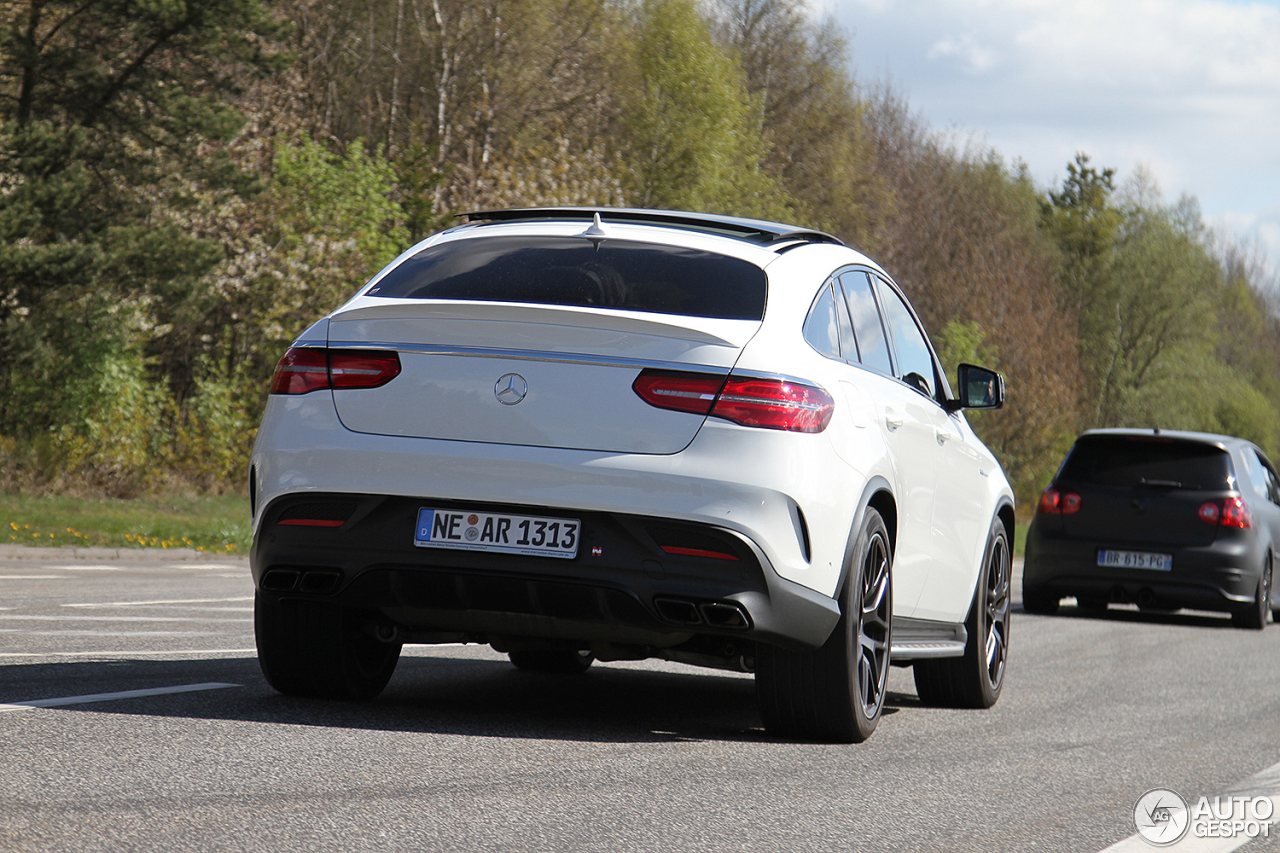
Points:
[218,525]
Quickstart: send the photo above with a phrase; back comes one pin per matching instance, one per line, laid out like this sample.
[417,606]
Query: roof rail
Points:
[755,230]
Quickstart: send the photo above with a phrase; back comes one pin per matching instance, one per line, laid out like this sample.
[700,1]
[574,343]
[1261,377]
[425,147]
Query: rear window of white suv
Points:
[615,274]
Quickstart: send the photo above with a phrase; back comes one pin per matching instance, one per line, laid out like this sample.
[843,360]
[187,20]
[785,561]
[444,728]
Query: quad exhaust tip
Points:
[713,614]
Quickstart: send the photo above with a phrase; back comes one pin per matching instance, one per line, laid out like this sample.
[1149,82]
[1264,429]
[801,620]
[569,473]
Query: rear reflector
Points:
[305,369]
[310,522]
[699,552]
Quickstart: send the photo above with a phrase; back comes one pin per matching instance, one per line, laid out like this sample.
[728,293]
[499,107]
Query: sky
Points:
[1188,90]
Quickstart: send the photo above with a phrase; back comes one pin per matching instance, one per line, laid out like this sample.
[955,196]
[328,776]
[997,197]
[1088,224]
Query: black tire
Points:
[836,693]
[552,659]
[308,648]
[1255,618]
[975,680]
[1039,602]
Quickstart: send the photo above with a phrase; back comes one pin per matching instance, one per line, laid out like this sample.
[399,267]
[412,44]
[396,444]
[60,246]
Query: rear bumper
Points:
[621,589]
[1222,576]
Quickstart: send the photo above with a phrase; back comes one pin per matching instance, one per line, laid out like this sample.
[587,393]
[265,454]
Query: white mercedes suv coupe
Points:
[605,434]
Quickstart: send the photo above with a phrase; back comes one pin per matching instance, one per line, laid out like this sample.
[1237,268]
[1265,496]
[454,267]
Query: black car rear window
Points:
[1150,460]
[617,274]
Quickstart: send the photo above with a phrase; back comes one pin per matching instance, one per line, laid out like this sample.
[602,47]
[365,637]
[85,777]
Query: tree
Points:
[689,133]
[112,119]
[809,111]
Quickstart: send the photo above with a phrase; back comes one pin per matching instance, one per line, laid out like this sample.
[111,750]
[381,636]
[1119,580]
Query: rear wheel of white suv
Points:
[836,693]
[975,680]
[309,648]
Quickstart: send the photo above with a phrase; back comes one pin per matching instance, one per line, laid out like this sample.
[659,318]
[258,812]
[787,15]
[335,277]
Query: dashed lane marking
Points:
[167,601]
[89,568]
[125,654]
[111,697]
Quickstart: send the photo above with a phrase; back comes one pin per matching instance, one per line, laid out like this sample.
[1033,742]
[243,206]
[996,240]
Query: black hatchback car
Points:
[1162,519]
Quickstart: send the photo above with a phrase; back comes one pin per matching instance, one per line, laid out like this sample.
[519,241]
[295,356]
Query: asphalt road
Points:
[465,753]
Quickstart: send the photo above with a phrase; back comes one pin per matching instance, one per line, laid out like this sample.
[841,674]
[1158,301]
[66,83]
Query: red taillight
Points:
[362,369]
[301,370]
[306,369]
[1230,512]
[683,392]
[1059,503]
[768,403]
[774,404]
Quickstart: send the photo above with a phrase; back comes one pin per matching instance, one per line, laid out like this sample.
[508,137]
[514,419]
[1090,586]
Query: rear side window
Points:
[617,274]
[1147,460]
[822,329]
[866,322]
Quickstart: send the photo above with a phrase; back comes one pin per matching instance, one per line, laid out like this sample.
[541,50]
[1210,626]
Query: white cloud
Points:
[1188,88]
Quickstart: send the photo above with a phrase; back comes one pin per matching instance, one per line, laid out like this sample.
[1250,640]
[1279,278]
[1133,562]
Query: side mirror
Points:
[979,388]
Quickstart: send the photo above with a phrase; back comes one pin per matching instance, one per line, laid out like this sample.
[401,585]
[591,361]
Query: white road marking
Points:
[33,577]
[126,653]
[111,697]
[1265,783]
[71,632]
[30,617]
[89,568]
[167,601]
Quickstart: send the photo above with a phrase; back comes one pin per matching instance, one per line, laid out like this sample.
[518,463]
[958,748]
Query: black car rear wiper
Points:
[1164,484]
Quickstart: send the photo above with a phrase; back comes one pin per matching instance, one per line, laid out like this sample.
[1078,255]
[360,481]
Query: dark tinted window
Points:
[820,328]
[1135,460]
[873,349]
[571,271]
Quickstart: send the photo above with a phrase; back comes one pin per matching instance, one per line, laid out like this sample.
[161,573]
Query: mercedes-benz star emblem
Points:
[511,389]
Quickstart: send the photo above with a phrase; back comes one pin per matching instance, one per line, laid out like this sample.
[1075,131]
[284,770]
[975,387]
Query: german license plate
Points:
[1135,560]
[488,531]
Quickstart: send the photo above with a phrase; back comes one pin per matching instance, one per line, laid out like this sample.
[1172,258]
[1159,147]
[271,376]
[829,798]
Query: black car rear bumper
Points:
[1222,576]
[622,588]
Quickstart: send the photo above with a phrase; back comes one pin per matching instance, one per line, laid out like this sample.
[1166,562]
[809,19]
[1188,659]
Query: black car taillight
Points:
[305,369]
[1055,502]
[1228,512]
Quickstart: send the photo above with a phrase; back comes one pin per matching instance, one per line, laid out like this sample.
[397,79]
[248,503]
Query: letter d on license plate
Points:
[468,530]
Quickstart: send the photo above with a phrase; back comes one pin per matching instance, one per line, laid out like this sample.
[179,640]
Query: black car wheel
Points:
[836,693]
[1038,601]
[975,680]
[309,648]
[1255,618]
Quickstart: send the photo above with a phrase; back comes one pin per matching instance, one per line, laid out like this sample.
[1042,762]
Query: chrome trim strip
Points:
[533,355]
[567,358]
